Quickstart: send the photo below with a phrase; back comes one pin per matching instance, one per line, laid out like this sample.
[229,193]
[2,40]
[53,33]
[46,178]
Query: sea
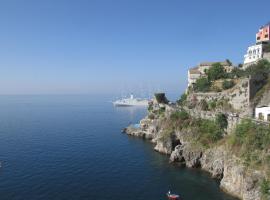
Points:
[70,147]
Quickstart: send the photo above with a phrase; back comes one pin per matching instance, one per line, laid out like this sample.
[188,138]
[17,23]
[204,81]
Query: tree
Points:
[216,71]
[221,120]
[161,98]
[262,67]
[202,85]
[229,62]
[204,105]
[227,84]
[182,99]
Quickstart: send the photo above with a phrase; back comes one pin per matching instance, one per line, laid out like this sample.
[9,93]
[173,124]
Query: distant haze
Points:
[118,46]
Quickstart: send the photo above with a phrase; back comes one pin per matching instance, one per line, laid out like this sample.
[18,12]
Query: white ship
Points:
[131,101]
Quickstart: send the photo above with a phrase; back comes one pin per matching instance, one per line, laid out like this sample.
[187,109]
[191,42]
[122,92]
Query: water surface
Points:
[70,147]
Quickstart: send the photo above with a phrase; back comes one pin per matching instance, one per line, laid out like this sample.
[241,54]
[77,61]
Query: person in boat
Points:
[172,196]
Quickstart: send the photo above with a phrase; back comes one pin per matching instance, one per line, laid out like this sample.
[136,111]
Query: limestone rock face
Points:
[192,156]
[177,154]
[218,161]
[239,182]
[186,153]
[164,147]
[213,161]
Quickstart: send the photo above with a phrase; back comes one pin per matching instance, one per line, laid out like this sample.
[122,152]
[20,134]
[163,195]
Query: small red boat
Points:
[173,196]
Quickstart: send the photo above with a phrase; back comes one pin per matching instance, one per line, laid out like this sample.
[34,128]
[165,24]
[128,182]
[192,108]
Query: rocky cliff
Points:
[218,160]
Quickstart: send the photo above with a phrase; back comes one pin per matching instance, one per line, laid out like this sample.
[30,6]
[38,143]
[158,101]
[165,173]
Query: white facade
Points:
[254,53]
[192,77]
[263,113]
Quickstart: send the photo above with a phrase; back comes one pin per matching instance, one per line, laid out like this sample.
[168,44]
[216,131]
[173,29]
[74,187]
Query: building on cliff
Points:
[259,50]
[262,113]
[199,71]
[263,34]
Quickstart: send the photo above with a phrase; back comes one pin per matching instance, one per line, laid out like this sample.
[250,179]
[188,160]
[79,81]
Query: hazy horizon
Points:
[114,47]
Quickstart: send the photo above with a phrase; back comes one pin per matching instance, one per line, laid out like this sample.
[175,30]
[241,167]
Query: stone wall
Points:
[239,96]
[266,56]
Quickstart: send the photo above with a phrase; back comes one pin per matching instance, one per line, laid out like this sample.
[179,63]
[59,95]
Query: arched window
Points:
[254,51]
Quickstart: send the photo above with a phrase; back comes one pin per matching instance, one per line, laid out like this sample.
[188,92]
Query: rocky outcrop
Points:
[187,154]
[218,161]
[213,161]
[240,182]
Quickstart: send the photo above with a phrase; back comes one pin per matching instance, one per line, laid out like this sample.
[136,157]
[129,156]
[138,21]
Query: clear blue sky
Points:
[114,46]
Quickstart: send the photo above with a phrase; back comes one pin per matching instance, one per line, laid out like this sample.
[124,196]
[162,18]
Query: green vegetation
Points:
[261,68]
[179,115]
[205,132]
[212,104]
[227,84]
[215,72]
[251,141]
[182,99]
[209,132]
[202,85]
[267,48]
[221,120]
[265,188]
[161,98]
[204,105]
[160,111]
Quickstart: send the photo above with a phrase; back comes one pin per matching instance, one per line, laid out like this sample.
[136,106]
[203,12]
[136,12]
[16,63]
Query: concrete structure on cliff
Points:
[258,51]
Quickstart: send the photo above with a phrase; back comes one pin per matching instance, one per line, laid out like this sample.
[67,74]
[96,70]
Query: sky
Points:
[119,46]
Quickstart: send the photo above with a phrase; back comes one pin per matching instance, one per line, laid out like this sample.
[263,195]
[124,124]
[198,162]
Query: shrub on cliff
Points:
[227,84]
[265,188]
[221,120]
[161,98]
[216,71]
[212,104]
[209,132]
[204,105]
[182,99]
[202,85]
[179,115]
[251,142]
[262,67]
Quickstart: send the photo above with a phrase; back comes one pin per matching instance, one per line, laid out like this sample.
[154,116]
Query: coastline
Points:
[234,178]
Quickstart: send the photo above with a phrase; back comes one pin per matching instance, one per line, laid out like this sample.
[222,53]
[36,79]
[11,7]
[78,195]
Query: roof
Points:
[223,63]
[194,70]
[267,24]
[262,106]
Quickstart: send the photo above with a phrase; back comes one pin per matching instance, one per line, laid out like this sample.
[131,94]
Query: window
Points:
[254,51]
[261,116]
[268,117]
[258,38]
[266,35]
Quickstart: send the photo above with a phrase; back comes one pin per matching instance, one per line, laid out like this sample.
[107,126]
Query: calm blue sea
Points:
[71,148]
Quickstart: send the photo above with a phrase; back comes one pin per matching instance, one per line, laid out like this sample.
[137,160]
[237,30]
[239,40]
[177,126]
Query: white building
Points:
[193,75]
[262,113]
[254,53]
